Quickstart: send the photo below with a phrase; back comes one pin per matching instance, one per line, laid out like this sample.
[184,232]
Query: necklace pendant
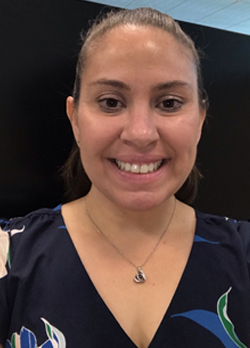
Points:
[140,276]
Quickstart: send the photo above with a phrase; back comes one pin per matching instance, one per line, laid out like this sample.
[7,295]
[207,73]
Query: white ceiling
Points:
[232,15]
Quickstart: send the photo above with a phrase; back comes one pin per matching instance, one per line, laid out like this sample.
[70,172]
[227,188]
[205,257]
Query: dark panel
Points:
[39,44]
[224,150]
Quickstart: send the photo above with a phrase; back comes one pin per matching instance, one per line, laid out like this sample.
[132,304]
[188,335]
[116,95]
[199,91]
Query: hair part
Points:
[76,181]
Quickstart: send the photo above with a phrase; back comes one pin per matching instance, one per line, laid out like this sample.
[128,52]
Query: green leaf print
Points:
[48,330]
[54,335]
[13,341]
[226,322]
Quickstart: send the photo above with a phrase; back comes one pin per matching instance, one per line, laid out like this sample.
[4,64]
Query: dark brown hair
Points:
[76,181]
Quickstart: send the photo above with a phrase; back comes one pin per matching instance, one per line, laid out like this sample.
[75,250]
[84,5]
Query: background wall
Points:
[39,42]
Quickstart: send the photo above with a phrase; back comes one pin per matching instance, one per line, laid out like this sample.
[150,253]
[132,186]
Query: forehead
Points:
[143,35]
[136,48]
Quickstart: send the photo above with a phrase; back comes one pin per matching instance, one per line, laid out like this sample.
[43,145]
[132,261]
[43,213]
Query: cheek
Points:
[184,135]
[97,134]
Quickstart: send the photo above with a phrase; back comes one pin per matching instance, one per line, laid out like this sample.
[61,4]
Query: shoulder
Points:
[40,218]
[34,233]
[222,223]
[226,231]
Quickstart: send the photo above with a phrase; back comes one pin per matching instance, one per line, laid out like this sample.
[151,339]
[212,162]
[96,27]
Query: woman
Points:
[129,264]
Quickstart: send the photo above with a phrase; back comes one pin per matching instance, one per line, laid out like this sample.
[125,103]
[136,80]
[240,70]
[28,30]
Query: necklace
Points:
[140,275]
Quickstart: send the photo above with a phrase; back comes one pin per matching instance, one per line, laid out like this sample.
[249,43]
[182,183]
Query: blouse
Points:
[48,300]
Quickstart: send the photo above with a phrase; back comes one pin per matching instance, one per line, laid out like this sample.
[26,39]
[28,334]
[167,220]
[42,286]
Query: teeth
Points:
[136,168]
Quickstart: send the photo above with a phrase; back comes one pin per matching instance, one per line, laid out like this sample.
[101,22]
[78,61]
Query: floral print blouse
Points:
[47,299]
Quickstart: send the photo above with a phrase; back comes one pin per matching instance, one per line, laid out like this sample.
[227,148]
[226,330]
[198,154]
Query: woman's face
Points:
[138,119]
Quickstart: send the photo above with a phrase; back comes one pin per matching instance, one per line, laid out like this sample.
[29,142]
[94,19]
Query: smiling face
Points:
[138,118]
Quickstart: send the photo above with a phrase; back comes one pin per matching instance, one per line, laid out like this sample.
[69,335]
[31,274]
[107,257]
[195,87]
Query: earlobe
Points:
[72,115]
[70,108]
[202,119]
[203,116]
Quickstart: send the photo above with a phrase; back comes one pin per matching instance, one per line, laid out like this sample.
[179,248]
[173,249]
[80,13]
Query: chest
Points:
[97,303]
[139,308]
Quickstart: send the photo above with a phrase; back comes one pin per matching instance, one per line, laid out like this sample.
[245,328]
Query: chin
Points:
[140,202]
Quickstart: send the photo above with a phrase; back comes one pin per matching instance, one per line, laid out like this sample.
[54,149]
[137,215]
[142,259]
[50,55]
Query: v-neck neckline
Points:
[171,304]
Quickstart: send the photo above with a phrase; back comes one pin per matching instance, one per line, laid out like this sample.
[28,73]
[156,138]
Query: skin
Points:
[138,129]
[138,104]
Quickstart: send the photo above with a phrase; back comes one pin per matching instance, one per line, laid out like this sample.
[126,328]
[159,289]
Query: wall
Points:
[39,43]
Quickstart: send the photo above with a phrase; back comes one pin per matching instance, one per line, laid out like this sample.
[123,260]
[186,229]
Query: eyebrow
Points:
[172,84]
[112,83]
[158,87]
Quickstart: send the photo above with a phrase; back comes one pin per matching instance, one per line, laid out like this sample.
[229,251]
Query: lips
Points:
[137,168]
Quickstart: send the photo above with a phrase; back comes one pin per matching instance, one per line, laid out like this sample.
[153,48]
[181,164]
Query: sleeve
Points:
[8,228]
[17,257]
[244,231]
[4,312]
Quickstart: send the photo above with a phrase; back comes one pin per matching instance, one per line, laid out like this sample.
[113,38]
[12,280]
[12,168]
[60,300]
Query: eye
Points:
[110,104]
[170,105]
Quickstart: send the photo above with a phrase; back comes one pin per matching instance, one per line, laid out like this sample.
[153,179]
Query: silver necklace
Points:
[140,275]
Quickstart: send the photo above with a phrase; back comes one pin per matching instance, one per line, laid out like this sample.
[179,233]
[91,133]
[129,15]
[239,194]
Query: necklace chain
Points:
[140,276]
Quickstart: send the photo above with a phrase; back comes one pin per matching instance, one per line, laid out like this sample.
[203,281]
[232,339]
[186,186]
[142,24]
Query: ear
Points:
[203,113]
[72,115]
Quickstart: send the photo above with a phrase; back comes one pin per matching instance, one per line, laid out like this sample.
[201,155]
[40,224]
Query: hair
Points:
[77,183]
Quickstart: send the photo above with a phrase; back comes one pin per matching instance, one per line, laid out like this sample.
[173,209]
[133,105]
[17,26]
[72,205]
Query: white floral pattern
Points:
[27,339]
[4,249]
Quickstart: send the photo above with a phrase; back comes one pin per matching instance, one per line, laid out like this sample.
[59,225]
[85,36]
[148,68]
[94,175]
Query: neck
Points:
[110,217]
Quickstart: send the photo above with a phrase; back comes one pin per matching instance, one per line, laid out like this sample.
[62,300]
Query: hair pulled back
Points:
[76,181]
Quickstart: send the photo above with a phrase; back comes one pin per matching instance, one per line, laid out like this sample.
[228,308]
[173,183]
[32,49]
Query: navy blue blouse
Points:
[47,299]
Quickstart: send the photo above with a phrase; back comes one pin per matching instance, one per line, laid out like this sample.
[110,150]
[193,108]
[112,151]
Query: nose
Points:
[140,128]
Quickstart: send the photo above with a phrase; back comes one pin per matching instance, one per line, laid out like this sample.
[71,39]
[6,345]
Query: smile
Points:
[139,168]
